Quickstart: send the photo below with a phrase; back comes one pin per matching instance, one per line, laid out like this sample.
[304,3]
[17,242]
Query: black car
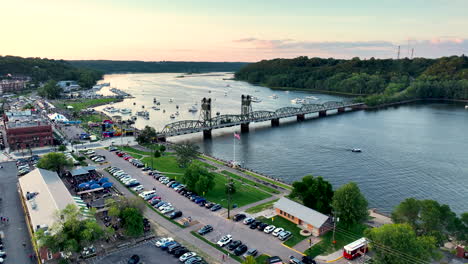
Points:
[308,260]
[240,250]
[205,230]
[239,217]
[234,244]
[172,248]
[175,214]
[135,259]
[216,207]
[202,203]
[254,224]
[262,226]
[209,205]
[179,252]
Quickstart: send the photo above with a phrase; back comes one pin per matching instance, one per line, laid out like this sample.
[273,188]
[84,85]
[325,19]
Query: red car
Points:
[128,157]
[121,154]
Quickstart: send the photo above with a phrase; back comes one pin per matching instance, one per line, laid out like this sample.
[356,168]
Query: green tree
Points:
[62,148]
[315,192]
[350,205]
[198,178]
[230,187]
[54,161]
[407,212]
[401,239]
[157,154]
[185,152]
[50,90]
[162,148]
[249,260]
[132,221]
[146,136]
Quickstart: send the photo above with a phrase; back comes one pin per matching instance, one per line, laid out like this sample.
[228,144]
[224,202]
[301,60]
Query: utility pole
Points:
[229,195]
[412,53]
[398,54]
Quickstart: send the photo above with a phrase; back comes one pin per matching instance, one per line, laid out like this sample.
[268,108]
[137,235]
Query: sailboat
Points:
[193,109]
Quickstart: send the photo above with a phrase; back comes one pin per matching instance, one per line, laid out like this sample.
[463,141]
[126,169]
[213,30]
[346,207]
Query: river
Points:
[416,150]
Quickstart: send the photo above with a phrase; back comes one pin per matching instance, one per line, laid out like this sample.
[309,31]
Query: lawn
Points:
[94,118]
[261,207]
[287,187]
[78,105]
[206,165]
[242,179]
[211,159]
[163,164]
[278,221]
[326,246]
[133,150]
[244,195]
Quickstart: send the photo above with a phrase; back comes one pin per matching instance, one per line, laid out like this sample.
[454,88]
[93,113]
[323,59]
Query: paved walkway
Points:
[264,243]
[305,244]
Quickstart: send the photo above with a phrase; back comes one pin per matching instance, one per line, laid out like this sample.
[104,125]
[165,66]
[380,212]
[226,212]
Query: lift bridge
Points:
[207,123]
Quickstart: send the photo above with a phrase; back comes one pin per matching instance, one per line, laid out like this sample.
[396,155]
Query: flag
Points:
[237,136]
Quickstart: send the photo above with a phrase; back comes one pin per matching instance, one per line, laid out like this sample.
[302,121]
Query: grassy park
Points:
[244,180]
[261,207]
[78,105]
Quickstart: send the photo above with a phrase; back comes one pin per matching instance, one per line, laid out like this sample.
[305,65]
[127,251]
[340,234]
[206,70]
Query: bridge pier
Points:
[207,134]
[245,128]
[341,109]
[323,113]
[275,122]
[301,117]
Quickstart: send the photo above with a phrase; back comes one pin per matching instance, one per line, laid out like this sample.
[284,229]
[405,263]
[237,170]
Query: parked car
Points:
[200,200]
[262,226]
[234,244]
[135,259]
[294,260]
[239,217]
[162,241]
[284,235]
[205,230]
[173,247]
[240,250]
[224,240]
[209,205]
[167,244]
[269,229]
[308,260]
[167,210]
[251,252]
[193,260]
[254,224]
[277,231]
[216,207]
[179,252]
[248,221]
[175,214]
[186,256]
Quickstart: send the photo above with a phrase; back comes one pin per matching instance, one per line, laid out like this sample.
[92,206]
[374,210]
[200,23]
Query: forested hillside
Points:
[41,70]
[378,81]
[109,66]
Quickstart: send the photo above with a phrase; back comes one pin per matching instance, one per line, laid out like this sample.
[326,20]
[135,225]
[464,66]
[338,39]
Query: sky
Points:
[240,30]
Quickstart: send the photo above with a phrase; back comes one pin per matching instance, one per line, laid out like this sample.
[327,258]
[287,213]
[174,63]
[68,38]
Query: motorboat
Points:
[177,106]
[164,110]
[172,116]
[134,103]
[255,99]
[134,118]
[154,100]
[274,96]
[466,106]
[356,150]
[225,93]
[125,111]
[193,109]
[177,113]
[298,101]
[227,85]
[111,109]
[311,97]
[142,106]
[142,113]
[209,91]
[171,100]
[155,108]
[218,113]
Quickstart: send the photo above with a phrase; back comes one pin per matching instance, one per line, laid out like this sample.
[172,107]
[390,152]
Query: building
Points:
[26,129]
[305,217]
[10,86]
[44,193]
[68,86]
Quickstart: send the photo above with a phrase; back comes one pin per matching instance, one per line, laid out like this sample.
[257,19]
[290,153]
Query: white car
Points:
[138,188]
[248,220]
[224,240]
[186,256]
[168,210]
[162,207]
[277,231]
[269,229]
[163,240]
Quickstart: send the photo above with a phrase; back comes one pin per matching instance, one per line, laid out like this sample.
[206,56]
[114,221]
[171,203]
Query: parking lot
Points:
[264,243]
[148,253]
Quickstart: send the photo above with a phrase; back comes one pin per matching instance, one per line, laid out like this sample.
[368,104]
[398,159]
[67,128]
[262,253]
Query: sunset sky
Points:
[241,30]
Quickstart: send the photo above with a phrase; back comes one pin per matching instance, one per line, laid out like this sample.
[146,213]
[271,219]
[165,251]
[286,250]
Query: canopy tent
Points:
[57,117]
[83,185]
[103,180]
[78,172]
[107,185]
[95,186]
[85,212]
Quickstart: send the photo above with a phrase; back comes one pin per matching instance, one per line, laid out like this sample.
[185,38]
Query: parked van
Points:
[147,195]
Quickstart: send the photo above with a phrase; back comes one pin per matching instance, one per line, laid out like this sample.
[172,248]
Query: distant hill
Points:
[377,81]
[110,66]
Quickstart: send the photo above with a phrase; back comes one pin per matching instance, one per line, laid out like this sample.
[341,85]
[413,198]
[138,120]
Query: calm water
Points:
[415,150]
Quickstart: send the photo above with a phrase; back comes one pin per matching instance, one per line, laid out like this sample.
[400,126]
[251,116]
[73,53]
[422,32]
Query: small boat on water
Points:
[225,93]
[274,96]
[171,100]
[154,100]
[134,118]
[218,113]
[193,109]
[155,108]
[356,150]
[209,91]
[177,113]
[311,97]
[164,110]
[298,101]
[466,106]
[125,111]
[134,103]
[177,106]
[142,113]
[256,99]
[142,106]
[227,85]
[172,116]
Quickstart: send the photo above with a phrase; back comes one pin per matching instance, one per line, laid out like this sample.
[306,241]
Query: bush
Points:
[62,148]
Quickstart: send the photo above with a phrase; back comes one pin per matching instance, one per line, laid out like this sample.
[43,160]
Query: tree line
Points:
[376,81]
[110,66]
[43,69]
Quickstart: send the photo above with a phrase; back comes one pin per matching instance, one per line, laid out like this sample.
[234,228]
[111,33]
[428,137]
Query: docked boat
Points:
[255,99]
[125,111]
[356,150]
[155,108]
[142,113]
[193,109]
[172,116]
[177,113]
[111,109]
[134,118]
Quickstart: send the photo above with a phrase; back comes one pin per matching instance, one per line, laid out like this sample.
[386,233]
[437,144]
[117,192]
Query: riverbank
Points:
[422,100]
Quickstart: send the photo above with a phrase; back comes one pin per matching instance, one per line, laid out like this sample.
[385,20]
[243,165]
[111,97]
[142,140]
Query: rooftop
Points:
[302,212]
[52,196]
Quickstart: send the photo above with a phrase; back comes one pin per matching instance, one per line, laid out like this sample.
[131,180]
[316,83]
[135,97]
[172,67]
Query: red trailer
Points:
[355,249]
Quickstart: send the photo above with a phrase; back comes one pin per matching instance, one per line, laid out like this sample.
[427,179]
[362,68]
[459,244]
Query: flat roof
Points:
[52,196]
[302,212]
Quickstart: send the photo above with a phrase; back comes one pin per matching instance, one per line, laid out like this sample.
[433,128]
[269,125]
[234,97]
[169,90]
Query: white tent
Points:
[57,117]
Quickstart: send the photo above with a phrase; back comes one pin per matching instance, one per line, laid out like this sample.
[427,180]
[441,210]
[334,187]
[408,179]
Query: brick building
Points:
[10,86]
[305,217]
[26,130]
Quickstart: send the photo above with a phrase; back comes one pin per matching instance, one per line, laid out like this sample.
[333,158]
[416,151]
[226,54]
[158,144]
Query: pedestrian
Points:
[7,219]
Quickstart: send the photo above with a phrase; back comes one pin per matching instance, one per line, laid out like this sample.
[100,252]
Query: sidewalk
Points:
[335,256]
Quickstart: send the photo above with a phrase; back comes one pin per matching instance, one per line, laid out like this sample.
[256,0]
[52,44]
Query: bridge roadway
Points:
[194,126]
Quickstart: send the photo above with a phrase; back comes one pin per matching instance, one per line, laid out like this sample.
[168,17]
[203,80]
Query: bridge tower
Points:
[205,116]
[246,110]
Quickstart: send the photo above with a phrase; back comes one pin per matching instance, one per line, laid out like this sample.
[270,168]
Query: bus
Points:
[355,249]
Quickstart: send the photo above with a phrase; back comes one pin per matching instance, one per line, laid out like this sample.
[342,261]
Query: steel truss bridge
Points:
[193,126]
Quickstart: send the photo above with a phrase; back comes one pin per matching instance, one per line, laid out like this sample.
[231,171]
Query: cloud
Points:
[435,47]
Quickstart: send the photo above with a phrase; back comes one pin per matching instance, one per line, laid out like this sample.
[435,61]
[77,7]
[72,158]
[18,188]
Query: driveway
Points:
[264,243]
